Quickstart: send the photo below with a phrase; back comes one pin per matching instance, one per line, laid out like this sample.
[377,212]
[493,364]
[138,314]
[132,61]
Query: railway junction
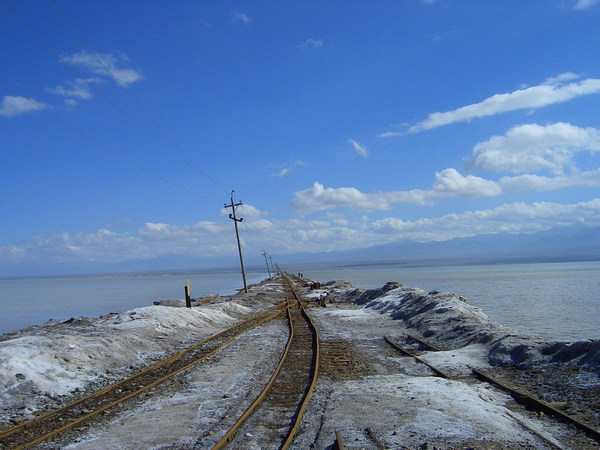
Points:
[309,366]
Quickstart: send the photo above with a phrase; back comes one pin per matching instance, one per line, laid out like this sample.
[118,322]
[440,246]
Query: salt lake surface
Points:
[31,301]
[556,300]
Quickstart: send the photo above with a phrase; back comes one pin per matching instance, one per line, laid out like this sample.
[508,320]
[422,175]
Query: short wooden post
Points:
[339,442]
[188,299]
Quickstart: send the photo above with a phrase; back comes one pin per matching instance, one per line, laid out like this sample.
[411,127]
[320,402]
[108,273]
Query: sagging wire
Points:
[98,142]
[81,76]
[130,95]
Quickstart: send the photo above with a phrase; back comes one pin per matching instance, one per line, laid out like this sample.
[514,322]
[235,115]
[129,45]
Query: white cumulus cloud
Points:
[531,148]
[450,182]
[245,210]
[319,198]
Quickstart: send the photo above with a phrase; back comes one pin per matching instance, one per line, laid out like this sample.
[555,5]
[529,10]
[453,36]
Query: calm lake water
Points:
[556,300]
[31,301]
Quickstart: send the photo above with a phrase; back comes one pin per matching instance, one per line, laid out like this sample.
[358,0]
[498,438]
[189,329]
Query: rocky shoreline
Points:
[565,373]
[452,322]
[47,365]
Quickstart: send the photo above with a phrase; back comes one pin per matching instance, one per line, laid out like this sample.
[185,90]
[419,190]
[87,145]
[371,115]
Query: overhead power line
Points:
[188,160]
[98,142]
[130,95]
[77,73]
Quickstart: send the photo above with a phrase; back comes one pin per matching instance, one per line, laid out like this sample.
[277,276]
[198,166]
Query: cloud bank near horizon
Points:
[207,239]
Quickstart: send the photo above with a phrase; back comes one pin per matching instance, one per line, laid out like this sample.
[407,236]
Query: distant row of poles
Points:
[265,254]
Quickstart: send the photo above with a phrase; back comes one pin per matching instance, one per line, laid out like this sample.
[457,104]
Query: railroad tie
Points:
[291,384]
[295,392]
[276,426]
[283,401]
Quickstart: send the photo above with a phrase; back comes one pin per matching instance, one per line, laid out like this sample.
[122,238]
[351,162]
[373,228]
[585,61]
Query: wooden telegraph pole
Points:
[268,268]
[272,267]
[232,216]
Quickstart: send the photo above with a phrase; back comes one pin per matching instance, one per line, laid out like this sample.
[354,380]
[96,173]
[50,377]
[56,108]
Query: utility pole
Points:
[271,259]
[268,268]
[232,216]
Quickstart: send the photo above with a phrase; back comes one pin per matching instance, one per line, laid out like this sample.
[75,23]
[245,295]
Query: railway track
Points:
[273,419]
[73,415]
[524,398]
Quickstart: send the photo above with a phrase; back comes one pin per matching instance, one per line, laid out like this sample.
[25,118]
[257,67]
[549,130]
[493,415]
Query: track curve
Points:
[274,418]
[74,414]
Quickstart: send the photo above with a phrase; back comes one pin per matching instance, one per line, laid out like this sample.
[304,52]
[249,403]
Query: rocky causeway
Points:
[378,399]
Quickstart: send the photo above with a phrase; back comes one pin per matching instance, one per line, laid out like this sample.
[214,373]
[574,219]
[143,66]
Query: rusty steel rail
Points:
[530,401]
[52,423]
[225,439]
[315,363]
[521,397]
[278,409]
[425,343]
[406,352]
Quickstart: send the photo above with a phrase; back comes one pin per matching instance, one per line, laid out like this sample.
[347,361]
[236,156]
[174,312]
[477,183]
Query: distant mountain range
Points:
[574,243]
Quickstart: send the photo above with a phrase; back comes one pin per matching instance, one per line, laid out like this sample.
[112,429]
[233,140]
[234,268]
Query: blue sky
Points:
[124,126]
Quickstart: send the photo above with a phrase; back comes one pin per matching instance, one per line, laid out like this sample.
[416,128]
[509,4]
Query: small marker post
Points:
[188,298]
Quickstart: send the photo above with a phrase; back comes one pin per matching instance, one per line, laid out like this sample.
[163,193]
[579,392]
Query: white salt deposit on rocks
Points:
[49,361]
[452,322]
[42,366]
